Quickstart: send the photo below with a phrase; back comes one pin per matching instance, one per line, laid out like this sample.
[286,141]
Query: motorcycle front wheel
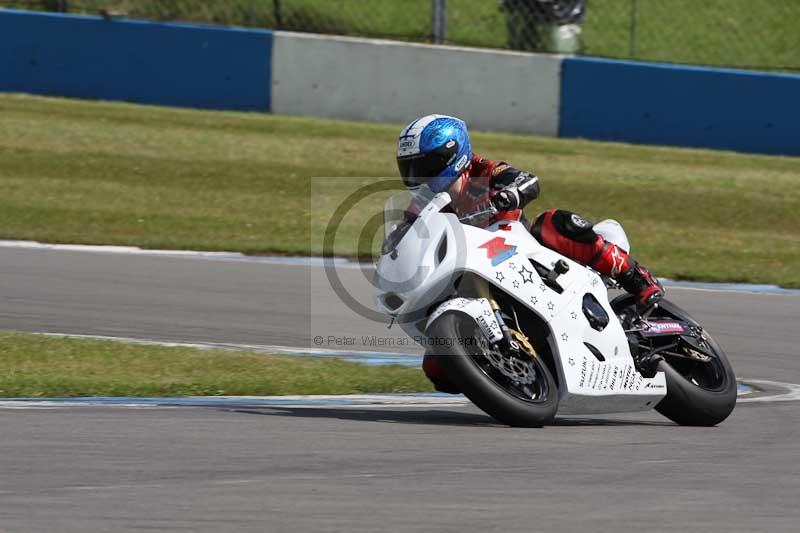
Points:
[516,389]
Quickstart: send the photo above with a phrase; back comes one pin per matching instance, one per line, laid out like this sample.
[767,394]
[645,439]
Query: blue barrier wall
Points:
[135,61]
[681,106]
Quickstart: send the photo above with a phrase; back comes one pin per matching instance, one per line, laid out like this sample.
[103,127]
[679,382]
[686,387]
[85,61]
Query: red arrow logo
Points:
[498,251]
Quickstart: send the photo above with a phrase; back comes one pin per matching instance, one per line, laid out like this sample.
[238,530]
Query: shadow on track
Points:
[430,417]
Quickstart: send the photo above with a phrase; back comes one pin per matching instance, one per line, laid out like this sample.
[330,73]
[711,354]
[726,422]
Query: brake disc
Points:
[513,366]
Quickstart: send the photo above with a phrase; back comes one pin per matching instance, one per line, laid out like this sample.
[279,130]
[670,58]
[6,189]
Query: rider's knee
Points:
[566,224]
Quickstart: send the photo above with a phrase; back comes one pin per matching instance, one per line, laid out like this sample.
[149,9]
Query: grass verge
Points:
[108,173]
[41,366]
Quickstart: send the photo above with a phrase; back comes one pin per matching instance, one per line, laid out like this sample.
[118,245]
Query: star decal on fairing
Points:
[498,251]
[500,277]
[564,337]
[571,361]
[515,283]
[541,287]
[525,274]
[512,265]
[574,315]
[534,300]
[550,306]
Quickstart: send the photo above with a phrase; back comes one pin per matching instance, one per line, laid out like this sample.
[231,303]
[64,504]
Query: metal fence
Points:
[763,34]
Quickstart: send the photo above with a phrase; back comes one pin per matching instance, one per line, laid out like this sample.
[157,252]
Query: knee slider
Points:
[574,226]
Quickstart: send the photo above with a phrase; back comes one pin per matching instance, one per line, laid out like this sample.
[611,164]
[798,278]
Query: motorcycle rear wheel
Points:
[698,394]
[462,352]
[693,400]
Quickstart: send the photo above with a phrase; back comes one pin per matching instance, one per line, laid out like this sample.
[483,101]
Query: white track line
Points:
[340,263]
[791,391]
[191,254]
[265,348]
[351,401]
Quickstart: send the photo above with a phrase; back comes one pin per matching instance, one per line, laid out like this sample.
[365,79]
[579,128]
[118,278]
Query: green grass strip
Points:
[108,173]
[42,366]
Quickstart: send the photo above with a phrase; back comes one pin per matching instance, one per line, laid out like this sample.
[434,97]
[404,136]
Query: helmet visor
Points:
[417,169]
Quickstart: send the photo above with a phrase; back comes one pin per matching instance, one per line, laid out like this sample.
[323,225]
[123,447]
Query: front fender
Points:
[478,309]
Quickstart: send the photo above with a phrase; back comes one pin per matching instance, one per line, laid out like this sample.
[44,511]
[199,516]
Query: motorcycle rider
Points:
[436,150]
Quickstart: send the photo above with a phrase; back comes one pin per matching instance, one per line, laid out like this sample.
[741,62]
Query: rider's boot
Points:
[613,261]
[433,371]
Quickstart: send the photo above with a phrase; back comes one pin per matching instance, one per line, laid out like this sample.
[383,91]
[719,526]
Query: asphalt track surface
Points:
[368,469]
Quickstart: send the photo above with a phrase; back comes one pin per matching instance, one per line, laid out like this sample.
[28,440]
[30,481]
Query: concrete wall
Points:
[135,61]
[680,106]
[360,79]
[363,79]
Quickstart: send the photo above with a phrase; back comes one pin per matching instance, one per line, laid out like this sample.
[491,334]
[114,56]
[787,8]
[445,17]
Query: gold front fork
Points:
[481,287]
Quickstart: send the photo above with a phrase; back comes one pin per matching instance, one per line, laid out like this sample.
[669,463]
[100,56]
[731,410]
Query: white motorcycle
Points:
[525,332]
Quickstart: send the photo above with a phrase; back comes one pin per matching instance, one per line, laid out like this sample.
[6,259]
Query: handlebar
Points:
[468,219]
[505,200]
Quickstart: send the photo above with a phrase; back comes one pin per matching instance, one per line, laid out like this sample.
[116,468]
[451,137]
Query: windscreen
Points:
[399,213]
[471,205]
[404,206]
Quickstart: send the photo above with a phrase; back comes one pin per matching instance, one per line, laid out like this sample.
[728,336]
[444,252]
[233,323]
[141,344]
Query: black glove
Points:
[506,200]
[520,187]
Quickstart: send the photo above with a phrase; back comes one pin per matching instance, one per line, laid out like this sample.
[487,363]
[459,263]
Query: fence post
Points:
[61,6]
[276,10]
[633,29]
[439,20]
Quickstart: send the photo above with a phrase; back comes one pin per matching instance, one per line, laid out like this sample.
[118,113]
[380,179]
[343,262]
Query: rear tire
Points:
[691,405]
[461,367]
[704,402]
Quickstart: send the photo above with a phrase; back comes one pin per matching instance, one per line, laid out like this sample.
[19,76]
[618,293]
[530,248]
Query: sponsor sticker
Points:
[658,328]
[461,163]
[583,373]
[499,169]
[407,147]
[480,309]
[579,221]
[618,261]
[498,251]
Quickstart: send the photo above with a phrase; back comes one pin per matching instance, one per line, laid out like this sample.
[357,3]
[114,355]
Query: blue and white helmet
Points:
[433,150]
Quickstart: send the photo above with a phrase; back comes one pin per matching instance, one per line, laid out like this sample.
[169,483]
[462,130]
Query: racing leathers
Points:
[509,190]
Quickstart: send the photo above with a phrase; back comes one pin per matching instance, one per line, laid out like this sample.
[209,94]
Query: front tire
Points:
[465,362]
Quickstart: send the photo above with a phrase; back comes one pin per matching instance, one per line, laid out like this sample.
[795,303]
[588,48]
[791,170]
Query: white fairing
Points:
[421,274]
